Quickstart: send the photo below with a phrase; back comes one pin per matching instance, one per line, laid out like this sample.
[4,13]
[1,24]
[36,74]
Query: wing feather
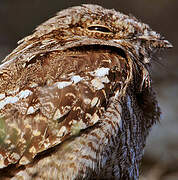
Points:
[59,95]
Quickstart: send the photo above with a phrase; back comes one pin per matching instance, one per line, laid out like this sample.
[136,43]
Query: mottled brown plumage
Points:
[76,100]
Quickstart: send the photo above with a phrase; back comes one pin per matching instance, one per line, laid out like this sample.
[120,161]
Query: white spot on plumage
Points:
[94,101]
[33,85]
[47,145]
[24,160]
[102,72]
[95,118]
[62,131]
[57,115]
[24,94]
[72,122]
[105,79]
[76,79]
[118,40]
[87,101]
[63,84]
[36,132]
[2,165]
[88,116]
[32,150]
[14,99]
[30,110]
[15,156]
[2,96]
[97,84]
[8,100]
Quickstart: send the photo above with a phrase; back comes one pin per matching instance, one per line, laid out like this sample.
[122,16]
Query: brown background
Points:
[18,18]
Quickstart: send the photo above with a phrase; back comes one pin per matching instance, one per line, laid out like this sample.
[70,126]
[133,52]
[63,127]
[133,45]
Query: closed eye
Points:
[99,28]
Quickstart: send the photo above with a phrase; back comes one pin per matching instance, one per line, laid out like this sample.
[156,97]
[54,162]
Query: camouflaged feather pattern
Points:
[79,86]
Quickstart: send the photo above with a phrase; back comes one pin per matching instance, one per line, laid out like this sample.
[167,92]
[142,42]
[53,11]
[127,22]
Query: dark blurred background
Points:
[18,18]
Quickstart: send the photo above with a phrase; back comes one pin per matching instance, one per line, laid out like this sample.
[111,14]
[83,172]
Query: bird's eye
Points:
[99,28]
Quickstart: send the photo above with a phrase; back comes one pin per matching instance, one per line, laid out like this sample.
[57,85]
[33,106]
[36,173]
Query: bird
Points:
[76,97]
